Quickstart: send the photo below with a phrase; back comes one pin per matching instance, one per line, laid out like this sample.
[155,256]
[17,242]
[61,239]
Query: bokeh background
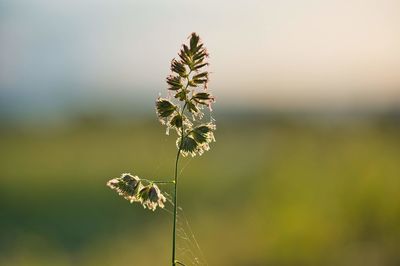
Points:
[306,167]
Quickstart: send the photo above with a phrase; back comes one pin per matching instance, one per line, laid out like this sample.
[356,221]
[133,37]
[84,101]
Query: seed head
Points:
[188,83]
[127,186]
[131,188]
[151,197]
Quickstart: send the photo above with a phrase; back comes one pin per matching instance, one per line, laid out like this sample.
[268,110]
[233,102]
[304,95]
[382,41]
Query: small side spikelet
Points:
[165,108]
[151,197]
[197,140]
[131,188]
[127,186]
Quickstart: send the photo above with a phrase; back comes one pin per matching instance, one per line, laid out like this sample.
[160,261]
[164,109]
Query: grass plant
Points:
[183,111]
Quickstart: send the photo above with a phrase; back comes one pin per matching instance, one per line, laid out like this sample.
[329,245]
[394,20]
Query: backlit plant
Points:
[183,112]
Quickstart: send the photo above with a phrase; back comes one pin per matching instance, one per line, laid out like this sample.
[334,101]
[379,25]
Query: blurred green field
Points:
[268,193]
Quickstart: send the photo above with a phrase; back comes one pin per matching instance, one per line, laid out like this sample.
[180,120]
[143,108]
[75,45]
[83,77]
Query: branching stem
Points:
[158,182]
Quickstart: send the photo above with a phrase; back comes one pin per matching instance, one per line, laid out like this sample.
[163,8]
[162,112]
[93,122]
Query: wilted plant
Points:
[181,111]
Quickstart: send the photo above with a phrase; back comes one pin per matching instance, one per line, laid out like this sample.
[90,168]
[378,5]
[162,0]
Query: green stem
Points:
[158,182]
[175,207]
[163,182]
[174,261]
[176,194]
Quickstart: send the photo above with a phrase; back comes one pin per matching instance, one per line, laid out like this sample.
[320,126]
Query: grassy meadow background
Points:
[273,190]
[306,167]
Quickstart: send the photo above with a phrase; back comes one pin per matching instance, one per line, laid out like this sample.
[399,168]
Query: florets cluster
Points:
[132,188]
[188,85]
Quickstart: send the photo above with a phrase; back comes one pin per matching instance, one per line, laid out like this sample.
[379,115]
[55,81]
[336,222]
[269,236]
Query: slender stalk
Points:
[159,182]
[175,207]
[176,194]
[163,182]
[174,261]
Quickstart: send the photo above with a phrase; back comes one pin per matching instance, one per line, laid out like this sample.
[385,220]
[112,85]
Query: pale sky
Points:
[273,54]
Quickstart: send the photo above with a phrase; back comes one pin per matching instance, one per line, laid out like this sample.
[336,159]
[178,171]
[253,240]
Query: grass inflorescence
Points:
[183,112]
